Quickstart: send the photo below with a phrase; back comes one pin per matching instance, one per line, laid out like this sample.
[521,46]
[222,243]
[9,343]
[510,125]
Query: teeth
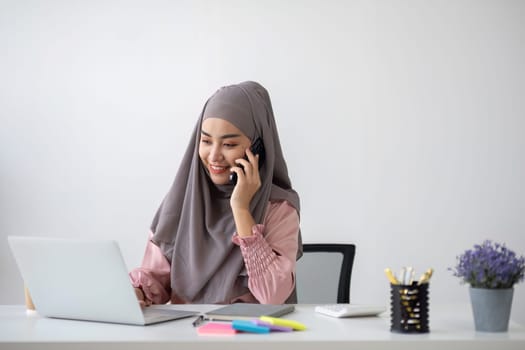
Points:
[218,167]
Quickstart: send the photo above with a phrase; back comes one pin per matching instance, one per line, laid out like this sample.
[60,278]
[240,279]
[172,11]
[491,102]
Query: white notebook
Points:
[82,279]
[350,310]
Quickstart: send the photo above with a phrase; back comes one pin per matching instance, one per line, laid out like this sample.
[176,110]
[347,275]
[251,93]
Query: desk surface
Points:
[450,326]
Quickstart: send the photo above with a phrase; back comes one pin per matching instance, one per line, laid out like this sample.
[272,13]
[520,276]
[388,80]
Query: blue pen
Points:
[248,326]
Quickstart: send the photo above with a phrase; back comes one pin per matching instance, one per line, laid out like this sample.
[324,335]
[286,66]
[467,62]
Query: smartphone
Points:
[257,147]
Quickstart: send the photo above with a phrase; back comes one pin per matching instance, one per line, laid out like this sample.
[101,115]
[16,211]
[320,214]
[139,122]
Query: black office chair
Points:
[322,267]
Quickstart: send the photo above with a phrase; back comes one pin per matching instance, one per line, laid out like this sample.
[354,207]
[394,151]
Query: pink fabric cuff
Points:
[153,291]
[257,253]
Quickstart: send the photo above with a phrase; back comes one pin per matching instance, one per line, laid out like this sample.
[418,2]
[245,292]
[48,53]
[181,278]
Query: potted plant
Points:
[492,270]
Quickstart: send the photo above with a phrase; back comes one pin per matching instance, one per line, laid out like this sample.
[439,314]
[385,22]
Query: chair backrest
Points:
[324,272]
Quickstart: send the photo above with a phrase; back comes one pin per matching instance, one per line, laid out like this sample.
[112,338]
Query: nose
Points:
[216,154]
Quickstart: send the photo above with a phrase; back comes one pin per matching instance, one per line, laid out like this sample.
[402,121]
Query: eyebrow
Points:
[225,136]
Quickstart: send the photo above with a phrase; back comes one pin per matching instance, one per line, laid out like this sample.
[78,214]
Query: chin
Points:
[220,180]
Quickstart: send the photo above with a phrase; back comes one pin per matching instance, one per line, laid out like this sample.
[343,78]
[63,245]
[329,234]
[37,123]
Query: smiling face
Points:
[220,145]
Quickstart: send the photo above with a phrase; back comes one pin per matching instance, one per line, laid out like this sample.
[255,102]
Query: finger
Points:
[235,175]
[140,294]
[253,158]
[243,163]
[246,168]
[254,169]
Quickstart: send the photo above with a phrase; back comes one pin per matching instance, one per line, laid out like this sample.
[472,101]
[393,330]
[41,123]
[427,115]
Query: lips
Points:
[216,169]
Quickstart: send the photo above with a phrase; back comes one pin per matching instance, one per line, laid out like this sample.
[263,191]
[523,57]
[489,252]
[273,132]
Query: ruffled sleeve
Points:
[153,276]
[270,254]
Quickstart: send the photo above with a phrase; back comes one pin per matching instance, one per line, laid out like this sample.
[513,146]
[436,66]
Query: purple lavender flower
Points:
[490,265]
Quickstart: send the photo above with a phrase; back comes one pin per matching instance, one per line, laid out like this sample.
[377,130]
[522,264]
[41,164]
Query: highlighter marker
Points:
[272,327]
[283,322]
[248,326]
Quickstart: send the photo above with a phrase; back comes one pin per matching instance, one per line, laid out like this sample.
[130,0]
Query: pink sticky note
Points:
[216,328]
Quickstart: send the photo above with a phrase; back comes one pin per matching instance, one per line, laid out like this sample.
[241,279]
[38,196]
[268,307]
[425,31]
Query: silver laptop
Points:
[83,279]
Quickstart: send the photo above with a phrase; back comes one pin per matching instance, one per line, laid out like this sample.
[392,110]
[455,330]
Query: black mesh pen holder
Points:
[409,308]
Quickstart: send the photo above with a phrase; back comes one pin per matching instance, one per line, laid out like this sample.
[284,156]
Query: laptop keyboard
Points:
[164,314]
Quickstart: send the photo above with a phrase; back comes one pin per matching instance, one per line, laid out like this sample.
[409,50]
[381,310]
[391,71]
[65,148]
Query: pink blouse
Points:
[269,256]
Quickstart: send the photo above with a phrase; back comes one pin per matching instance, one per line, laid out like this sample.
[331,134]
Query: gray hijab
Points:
[194,224]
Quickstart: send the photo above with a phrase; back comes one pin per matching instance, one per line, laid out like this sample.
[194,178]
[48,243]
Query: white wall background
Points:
[402,121]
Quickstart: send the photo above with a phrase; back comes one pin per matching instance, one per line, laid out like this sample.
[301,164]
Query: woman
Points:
[213,242]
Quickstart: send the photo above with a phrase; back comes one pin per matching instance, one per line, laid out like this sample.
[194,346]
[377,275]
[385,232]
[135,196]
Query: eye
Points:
[230,145]
[206,141]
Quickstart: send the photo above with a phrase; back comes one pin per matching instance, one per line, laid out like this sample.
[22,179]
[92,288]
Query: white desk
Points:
[450,328]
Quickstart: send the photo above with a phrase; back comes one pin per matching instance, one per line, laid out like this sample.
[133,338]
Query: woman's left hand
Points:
[248,181]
